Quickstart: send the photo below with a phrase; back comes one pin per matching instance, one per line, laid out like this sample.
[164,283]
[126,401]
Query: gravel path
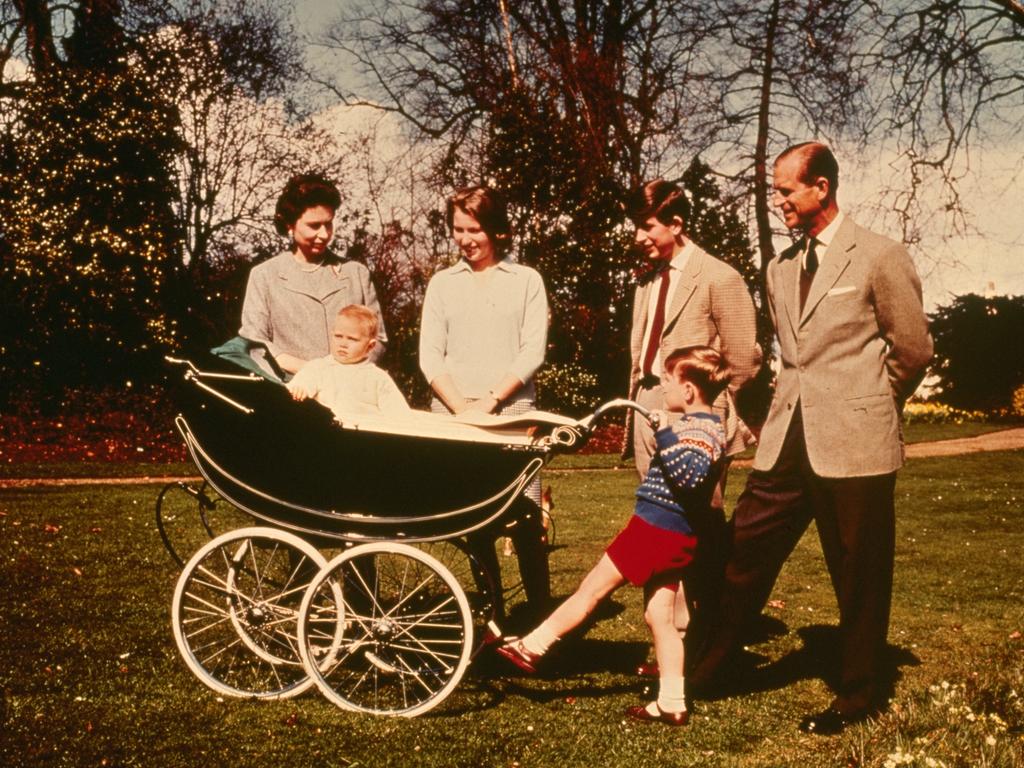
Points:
[1003,440]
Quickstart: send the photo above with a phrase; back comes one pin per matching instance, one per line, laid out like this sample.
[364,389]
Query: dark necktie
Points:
[657,324]
[807,271]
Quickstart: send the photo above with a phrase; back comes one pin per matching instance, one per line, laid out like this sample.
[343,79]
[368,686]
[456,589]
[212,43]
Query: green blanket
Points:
[252,356]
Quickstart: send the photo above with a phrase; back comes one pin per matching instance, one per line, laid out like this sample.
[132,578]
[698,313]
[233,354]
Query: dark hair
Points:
[301,193]
[659,198]
[703,367]
[488,207]
[818,161]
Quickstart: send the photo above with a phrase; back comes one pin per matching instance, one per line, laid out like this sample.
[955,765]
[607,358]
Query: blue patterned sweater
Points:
[683,473]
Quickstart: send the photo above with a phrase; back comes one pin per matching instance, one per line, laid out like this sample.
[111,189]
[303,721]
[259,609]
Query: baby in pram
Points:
[345,380]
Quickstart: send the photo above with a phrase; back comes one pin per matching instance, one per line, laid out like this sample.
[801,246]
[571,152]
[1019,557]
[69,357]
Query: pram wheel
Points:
[405,627]
[476,580]
[235,612]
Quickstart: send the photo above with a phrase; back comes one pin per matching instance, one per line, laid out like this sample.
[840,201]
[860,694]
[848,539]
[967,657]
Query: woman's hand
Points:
[484,405]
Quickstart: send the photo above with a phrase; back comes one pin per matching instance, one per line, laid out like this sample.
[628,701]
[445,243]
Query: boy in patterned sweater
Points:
[658,542]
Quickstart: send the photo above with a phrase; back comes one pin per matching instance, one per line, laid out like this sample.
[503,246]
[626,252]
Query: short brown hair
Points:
[818,161]
[659,198]
[301,193]
[365,316]
[703,367]
[488,207]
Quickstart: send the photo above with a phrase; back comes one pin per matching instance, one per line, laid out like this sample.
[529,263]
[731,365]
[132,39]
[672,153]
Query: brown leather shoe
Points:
[639,712]
[648,670]
[516,652]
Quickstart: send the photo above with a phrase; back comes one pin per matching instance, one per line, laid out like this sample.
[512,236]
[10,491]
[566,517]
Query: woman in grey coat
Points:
[292,299]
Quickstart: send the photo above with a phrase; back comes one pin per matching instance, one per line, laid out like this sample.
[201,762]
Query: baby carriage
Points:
[381,626]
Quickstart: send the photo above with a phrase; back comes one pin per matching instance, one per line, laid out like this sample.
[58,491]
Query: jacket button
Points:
[789,406]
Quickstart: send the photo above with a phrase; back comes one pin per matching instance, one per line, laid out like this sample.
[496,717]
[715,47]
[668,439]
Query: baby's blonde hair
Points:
[365,316]
[703,367]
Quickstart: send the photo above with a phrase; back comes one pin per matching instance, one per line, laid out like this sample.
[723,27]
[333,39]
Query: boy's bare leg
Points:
[662,615]
[603,579]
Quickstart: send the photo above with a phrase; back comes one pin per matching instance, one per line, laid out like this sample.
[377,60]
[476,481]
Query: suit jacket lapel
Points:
[835,263]
[643,298]
[789,268]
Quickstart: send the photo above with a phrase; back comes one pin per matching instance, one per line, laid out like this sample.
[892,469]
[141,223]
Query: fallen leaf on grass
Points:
[780,604]
[1015,635]
[51,528]
[76,570]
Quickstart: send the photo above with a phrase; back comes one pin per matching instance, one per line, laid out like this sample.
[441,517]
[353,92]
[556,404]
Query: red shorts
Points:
[641,551]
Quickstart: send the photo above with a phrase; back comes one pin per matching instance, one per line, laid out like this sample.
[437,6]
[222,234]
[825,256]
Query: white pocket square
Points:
[842,290]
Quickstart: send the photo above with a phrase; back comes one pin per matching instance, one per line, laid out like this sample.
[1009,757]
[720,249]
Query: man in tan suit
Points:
[703,302]
[854,343]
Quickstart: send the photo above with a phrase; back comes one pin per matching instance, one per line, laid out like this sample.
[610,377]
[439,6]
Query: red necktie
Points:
[657,325]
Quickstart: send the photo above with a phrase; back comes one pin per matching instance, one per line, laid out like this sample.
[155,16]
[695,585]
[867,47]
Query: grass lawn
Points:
[90,675]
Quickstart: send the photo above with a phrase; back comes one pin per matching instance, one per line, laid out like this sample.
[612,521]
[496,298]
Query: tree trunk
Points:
[42,51]
[761,213]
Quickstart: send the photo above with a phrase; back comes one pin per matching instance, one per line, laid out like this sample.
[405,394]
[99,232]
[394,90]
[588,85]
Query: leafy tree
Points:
[979,361]
[140,156]
[90,244]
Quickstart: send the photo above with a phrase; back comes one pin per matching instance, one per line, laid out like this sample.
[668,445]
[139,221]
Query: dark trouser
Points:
[855,519]
[531,551]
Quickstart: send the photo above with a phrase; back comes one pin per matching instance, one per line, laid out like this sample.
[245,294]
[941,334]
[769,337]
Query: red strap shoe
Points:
[516,652]
[639,712]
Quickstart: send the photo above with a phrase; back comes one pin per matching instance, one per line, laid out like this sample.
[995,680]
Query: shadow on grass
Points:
[581,668]
[818,658]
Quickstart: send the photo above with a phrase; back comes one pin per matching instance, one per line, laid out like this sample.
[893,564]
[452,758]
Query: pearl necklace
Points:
[305,266]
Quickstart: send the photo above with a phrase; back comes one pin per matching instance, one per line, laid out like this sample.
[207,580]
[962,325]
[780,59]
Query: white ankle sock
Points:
[540,640]
[671,696]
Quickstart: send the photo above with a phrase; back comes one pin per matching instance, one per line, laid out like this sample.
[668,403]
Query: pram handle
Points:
[615,405]
[194,375]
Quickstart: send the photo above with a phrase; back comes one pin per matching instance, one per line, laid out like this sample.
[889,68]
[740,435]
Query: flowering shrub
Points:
[929,412]
[607,438]
[1017,407]
[567,389]
[113,425]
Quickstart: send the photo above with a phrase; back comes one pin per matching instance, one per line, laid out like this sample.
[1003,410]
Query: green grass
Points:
[90,674]
[922,433]
[95,469]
